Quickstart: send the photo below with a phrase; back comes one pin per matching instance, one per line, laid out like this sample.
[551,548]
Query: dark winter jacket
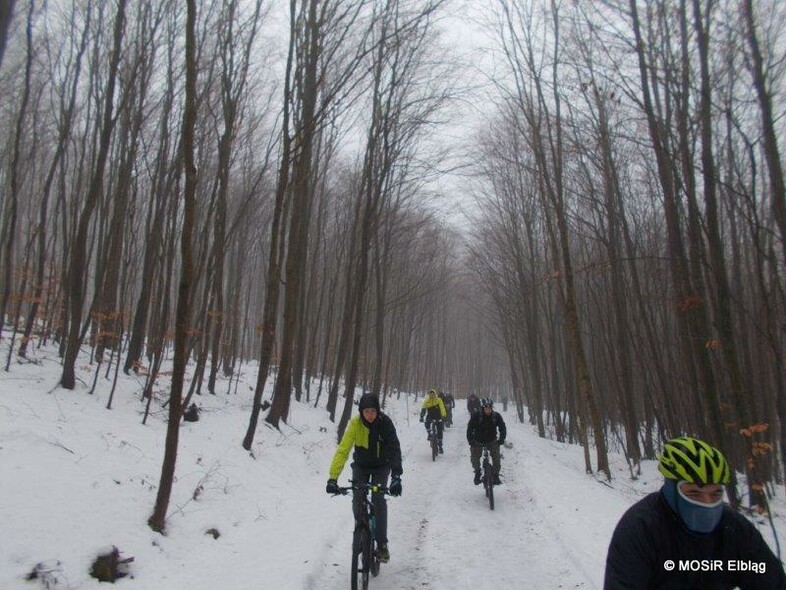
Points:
[483,429]
[650,534]
[447,400]
[376,445]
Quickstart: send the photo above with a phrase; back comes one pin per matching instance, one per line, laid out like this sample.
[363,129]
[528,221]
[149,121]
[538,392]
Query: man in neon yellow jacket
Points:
[377,455]
[433,410]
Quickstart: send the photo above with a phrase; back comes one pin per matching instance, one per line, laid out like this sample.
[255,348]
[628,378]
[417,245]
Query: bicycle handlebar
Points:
[364,487]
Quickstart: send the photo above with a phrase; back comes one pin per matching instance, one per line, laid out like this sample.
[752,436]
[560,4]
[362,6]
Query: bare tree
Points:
[164,173]
[157,520]
[68,97]
[599,102]
[545,134]
[137,78]
[312,22]
[764,96]
[15,172]
[277,235]
[234,81]
[78,259]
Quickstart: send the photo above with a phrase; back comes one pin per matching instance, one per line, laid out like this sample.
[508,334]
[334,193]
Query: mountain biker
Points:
[377,455]
[685,536]
[449,403]
[486,427]
[433,410]
[473,403]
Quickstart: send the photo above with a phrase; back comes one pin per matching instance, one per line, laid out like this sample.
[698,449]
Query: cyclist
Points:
[686,522]
[433,410]
[473,403]
[449,403]
[377,455]
[486,427]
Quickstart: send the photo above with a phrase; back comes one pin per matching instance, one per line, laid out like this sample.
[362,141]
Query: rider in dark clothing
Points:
[449,403]
[486,427]
[473,403]
[650,534]
[684,538]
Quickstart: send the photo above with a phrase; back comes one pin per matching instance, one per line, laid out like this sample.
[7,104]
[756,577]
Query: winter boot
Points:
[496,479]
[477,477]
[383,553]
[440,448]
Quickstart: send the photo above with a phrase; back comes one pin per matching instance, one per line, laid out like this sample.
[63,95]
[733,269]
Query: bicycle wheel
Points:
[374,558]
[361,558]
[434,447]
[488,483]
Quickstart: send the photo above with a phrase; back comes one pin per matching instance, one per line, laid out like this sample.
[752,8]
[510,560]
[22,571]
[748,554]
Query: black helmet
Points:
[368,400]
[486,402]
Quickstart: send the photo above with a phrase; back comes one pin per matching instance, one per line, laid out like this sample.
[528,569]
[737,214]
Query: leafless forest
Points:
[224,182]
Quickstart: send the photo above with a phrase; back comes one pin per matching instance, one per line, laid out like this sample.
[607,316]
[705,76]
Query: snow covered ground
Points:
[76,479]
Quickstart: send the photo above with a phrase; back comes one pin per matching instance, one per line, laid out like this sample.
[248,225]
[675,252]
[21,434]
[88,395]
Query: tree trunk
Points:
[771,150]
[6,14]
[158,518]
[269,314]
[298,230]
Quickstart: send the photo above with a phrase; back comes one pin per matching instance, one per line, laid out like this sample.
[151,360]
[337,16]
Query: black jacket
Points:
[650,534]
[483,429]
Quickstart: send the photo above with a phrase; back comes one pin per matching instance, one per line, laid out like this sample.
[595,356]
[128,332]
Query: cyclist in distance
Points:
[473,403]
[449,403]
[685,536]
[486,427]
[377,455]
[433,410]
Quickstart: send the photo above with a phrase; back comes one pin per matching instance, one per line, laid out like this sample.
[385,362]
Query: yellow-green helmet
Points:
[689,459]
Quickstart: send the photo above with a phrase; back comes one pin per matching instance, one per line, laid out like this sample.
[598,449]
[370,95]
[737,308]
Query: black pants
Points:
[475,452]
[440,427]
[374,475]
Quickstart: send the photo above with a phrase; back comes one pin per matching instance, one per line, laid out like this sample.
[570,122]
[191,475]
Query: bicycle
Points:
[365,559]
[433,439]
[488,475]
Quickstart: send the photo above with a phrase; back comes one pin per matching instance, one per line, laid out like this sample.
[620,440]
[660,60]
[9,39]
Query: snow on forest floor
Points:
[78,478]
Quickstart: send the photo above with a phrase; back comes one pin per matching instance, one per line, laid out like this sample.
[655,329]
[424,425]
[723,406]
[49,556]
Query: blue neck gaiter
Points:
[698,517]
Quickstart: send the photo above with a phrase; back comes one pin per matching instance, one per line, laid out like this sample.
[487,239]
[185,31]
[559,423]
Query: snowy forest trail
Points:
[262,520]
[442,524]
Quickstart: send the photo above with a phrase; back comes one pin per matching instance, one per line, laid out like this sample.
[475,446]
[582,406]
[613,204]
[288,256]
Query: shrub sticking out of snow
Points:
[109,567]
[49,573]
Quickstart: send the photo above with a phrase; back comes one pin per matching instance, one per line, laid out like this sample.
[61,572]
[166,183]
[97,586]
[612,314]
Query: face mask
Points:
[698,516]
